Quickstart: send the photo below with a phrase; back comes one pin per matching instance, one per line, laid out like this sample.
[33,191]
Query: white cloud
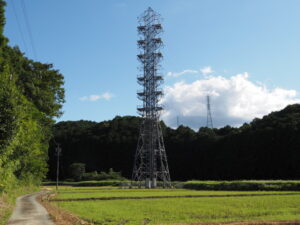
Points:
[107,96]
[92,98]
[171,74]
[234,100]
[206,70]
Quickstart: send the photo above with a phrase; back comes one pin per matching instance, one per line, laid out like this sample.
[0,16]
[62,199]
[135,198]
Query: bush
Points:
[277,185]
[110,175]
[77,171]
[88,183]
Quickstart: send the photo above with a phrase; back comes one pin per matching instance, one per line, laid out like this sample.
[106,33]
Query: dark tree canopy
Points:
[267,148]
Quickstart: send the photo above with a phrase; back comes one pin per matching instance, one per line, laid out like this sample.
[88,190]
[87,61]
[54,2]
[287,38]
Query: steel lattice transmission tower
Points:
[150,163]
[209,123]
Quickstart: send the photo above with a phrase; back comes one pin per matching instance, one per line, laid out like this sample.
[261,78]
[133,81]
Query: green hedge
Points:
[275,185]
[87,183]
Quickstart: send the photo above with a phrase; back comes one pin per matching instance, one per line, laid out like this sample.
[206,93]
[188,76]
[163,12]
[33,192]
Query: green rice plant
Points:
[186,210]
[112,193]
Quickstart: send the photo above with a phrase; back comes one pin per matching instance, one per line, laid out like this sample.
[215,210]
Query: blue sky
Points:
[93,44]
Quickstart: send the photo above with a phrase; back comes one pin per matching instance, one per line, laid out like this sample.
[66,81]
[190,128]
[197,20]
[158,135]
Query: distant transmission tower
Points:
[150,163]
[209,118]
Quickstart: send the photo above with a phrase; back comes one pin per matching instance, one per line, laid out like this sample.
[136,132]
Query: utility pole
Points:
[150,164]
[209,123]
[177,121]
[58,151]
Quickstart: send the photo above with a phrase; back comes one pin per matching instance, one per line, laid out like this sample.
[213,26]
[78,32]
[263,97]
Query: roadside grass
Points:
[5,208]
[186,210]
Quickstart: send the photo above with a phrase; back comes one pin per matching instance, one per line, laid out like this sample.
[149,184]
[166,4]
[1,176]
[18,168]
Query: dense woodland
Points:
[31,95]
[267,148]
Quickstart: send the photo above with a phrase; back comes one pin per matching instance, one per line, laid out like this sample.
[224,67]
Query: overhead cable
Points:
[19,26]
[28,28]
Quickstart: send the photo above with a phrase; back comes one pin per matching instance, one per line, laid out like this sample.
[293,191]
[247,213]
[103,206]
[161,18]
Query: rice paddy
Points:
[169,206]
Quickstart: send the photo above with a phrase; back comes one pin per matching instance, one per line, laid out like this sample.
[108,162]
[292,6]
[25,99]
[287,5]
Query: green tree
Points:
[8,124]
[76,171]
[39,82]
[31,95]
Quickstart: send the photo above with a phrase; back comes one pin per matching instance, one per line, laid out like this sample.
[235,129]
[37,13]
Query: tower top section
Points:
[149,16]
[149,44]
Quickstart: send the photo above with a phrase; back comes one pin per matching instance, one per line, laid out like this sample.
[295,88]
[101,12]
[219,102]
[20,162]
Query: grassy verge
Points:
[252,185]
[59,215]
[7,201]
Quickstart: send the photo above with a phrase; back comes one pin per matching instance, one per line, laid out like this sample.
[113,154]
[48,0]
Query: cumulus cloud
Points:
[92,98]
[234,100]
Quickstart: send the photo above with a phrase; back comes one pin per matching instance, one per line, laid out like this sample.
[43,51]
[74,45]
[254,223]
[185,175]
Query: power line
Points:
[19,26]
[28,28]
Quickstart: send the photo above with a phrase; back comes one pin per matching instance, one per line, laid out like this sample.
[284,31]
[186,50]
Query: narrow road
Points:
[29,211]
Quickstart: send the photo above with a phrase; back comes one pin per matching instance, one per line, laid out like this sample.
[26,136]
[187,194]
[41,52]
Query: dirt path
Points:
[29,212]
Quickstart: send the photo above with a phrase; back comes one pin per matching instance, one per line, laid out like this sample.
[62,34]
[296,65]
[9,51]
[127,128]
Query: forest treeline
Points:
[31,95]
[267,148]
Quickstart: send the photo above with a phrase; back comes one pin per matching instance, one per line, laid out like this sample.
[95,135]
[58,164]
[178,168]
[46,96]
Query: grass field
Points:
[239,185]
[108,192]
[177,210]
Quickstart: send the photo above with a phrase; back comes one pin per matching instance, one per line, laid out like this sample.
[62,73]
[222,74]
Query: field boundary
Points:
[161,197]
[59,215]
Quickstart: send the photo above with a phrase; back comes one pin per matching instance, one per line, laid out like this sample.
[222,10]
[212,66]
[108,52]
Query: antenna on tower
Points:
[177,121]
[209,123]
[150,164]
